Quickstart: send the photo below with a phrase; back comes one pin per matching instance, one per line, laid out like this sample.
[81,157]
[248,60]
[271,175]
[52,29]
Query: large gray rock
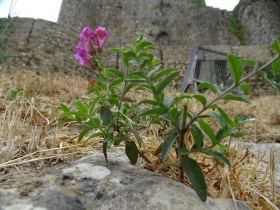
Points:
[91,183]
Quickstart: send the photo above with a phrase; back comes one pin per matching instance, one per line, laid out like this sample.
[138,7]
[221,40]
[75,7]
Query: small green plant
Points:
[199,2]
[15,93]
[4,24]
[237,28]
[105,113]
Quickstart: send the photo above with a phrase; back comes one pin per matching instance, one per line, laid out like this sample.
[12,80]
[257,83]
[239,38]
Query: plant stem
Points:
[121,101]
[182,138]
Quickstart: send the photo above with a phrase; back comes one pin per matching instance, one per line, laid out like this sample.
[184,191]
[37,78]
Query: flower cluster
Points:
[86,50]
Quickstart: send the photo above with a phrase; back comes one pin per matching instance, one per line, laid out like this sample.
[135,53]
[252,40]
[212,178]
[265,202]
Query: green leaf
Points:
[113,100]
[133,63]
[131,151]
[158,150]
[245,87]
[217,155]
[128,88]
[183,151]
[275,45]
[128,56]
[235,68]
[167,145]
[136,134]
[145,87]
[139,37]
[222,133]
[140,80]
[115,72]
[95,122]
[143,45]
[117,50]
[92,105]
[164,72]
[64,108]
[101,85]
[208,85]
[78,114]
[98,134]
[136,75]
[236,97]
[197,137]
[155,111]
[248,62]
[83,133]
[276,68]
[201,99]
[236,133]
[219,118]
[165,82]
[151,102]
[196,177]
[68,120]
[240,120]
[106,116]
[268,79]
[115,83]
[143,54]
[225,116]
[175,113]
[167,102]
[165,117]
[152,72]
[82,107]
[156,61]
[208,130]
[179,98]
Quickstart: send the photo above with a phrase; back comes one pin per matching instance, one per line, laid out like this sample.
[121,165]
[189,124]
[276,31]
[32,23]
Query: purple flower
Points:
[87,34]
[101,37]
[83,56]
[86,52]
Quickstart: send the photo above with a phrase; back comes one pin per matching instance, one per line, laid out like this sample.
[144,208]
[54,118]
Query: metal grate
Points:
[207,65]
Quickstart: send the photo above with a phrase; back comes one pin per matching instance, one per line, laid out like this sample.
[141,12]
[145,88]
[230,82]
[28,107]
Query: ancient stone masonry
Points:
[176,27]
[261,20]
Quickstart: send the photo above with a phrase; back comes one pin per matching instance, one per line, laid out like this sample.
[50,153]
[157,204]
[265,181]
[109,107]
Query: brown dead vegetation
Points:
[29,137]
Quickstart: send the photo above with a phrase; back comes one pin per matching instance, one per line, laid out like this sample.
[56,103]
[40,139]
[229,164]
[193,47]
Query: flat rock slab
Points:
[91,183]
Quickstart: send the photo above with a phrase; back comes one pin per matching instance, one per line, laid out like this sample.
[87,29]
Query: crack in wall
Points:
[30,32]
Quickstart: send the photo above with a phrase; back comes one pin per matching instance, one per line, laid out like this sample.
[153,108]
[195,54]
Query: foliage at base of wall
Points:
[4,24]
[237,28]
[199,2]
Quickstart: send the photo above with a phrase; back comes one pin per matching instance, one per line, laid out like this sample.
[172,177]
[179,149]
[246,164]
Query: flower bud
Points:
[101,37]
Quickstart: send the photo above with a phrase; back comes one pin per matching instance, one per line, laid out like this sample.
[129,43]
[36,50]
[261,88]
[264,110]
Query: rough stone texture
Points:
[91,183]
[167,22]
[261,20]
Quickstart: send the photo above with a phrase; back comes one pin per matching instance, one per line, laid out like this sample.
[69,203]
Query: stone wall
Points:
[41,46]
[176,27]
[166,22]
[261,20]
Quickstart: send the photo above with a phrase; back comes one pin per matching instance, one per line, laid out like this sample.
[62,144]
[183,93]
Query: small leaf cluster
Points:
[106,114]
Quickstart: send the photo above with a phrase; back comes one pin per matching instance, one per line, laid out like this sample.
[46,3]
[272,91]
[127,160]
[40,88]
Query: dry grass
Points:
[28,134]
